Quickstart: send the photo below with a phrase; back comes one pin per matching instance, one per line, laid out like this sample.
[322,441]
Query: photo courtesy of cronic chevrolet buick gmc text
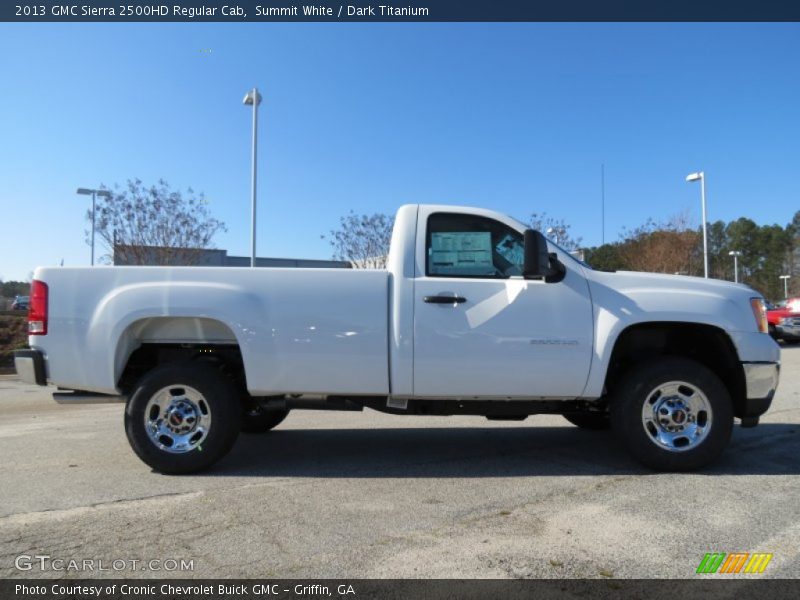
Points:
[474,315]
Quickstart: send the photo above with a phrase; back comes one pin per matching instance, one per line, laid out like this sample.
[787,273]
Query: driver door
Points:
[480,329]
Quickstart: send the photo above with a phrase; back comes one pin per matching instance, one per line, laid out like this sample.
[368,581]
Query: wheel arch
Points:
[167,312]
[707,344]
[150,341]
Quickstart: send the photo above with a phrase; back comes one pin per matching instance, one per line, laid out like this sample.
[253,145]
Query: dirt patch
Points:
[13,335]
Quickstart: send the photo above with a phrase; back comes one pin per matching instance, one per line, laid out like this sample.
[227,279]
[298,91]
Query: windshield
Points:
[520,226]
[583,263]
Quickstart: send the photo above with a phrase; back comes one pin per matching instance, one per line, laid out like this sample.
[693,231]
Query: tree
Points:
[153,225]
[792,266]
[605,258]
[720,262]
[675,246]
[774,243]
[560,230]
[362,239]
[14,288]
[667,247]
[764,249]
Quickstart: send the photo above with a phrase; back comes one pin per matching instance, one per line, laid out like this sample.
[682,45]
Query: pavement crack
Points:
[65,513]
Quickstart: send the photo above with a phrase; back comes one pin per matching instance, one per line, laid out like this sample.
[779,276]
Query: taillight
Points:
[37,308]
[760,314]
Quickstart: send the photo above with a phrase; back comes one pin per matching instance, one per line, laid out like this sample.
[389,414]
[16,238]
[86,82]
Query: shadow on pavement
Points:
[769,449]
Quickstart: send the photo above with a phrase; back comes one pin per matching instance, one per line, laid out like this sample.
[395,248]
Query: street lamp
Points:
[735,254]
[785,285]
[93,193]
[253,98]
[701,177]
[553,233]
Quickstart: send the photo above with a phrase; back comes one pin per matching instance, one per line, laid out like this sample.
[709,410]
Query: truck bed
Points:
[299,330]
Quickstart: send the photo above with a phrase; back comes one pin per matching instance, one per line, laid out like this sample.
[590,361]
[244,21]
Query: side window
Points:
[471,246]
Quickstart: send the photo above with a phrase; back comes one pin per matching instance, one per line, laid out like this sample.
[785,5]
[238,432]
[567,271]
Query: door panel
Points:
[509,337]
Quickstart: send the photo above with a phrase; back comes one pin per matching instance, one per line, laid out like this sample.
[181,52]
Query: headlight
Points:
[760,314]
[786,321]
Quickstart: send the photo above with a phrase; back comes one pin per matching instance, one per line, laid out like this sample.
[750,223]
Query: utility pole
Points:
[253,98]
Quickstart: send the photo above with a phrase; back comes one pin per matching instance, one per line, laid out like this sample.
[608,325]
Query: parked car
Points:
[784,320]
[20,303]
[474,315]
[792,304]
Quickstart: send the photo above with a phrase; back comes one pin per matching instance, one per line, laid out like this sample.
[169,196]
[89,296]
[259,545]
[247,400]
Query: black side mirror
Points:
[536,262]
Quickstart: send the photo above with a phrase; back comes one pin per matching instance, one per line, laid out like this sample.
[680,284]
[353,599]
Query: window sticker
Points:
[468,252]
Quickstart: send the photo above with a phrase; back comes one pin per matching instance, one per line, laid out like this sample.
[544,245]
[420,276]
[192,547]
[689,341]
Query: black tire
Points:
[639,386]
[773,332]
[590,420]
[218,402]
[258,420]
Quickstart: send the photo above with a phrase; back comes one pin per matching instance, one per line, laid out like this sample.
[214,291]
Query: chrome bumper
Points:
[792,331]
[761,379]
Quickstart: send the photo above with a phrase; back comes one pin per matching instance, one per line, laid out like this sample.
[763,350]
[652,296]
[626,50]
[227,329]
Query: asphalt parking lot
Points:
[370,495]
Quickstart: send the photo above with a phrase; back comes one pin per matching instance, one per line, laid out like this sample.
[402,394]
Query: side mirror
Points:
[536,262]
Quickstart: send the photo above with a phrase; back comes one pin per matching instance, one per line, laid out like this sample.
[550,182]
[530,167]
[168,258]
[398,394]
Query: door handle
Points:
[444,299]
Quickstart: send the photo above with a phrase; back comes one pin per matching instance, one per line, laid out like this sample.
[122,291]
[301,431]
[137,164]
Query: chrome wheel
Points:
[177,419]
[676,416]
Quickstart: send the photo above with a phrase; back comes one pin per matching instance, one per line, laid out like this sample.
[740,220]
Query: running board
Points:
[87,398]
[309,403]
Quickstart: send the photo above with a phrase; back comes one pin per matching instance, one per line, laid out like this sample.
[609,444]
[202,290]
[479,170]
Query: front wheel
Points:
[182,418]
[673,414]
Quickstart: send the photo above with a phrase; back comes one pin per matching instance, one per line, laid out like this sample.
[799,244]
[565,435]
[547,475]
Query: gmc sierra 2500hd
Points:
[474,315]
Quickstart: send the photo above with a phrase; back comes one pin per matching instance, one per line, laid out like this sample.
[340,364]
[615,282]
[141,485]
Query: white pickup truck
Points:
[474,315]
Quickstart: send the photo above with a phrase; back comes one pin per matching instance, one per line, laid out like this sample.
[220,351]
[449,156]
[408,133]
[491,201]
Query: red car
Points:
[784,320]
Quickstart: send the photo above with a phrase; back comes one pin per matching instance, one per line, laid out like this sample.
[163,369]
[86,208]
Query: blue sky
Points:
[515,117]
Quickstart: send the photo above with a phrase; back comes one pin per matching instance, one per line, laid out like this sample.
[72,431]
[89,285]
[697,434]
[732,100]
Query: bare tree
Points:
[362,239]
[668,247]
[559,230]
[154,225]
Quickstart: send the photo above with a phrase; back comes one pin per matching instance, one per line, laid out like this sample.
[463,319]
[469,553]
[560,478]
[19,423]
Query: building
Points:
[125,255]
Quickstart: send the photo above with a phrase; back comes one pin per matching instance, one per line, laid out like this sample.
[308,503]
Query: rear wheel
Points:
[673,414]
[588,420]
[182,418]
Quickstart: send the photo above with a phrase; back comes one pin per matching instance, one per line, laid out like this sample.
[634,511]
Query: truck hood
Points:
[656,296]
[630,280]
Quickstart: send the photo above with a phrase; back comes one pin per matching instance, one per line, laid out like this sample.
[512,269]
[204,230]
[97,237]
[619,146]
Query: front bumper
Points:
[30,366]
[761,381]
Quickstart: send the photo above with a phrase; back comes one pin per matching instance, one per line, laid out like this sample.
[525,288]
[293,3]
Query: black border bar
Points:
[127,11]
[744,587]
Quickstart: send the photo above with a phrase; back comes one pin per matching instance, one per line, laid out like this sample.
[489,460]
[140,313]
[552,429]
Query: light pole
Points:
[735,254]
[253,98]
[785,285]
[701,177]
[552,232]
[93,193]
